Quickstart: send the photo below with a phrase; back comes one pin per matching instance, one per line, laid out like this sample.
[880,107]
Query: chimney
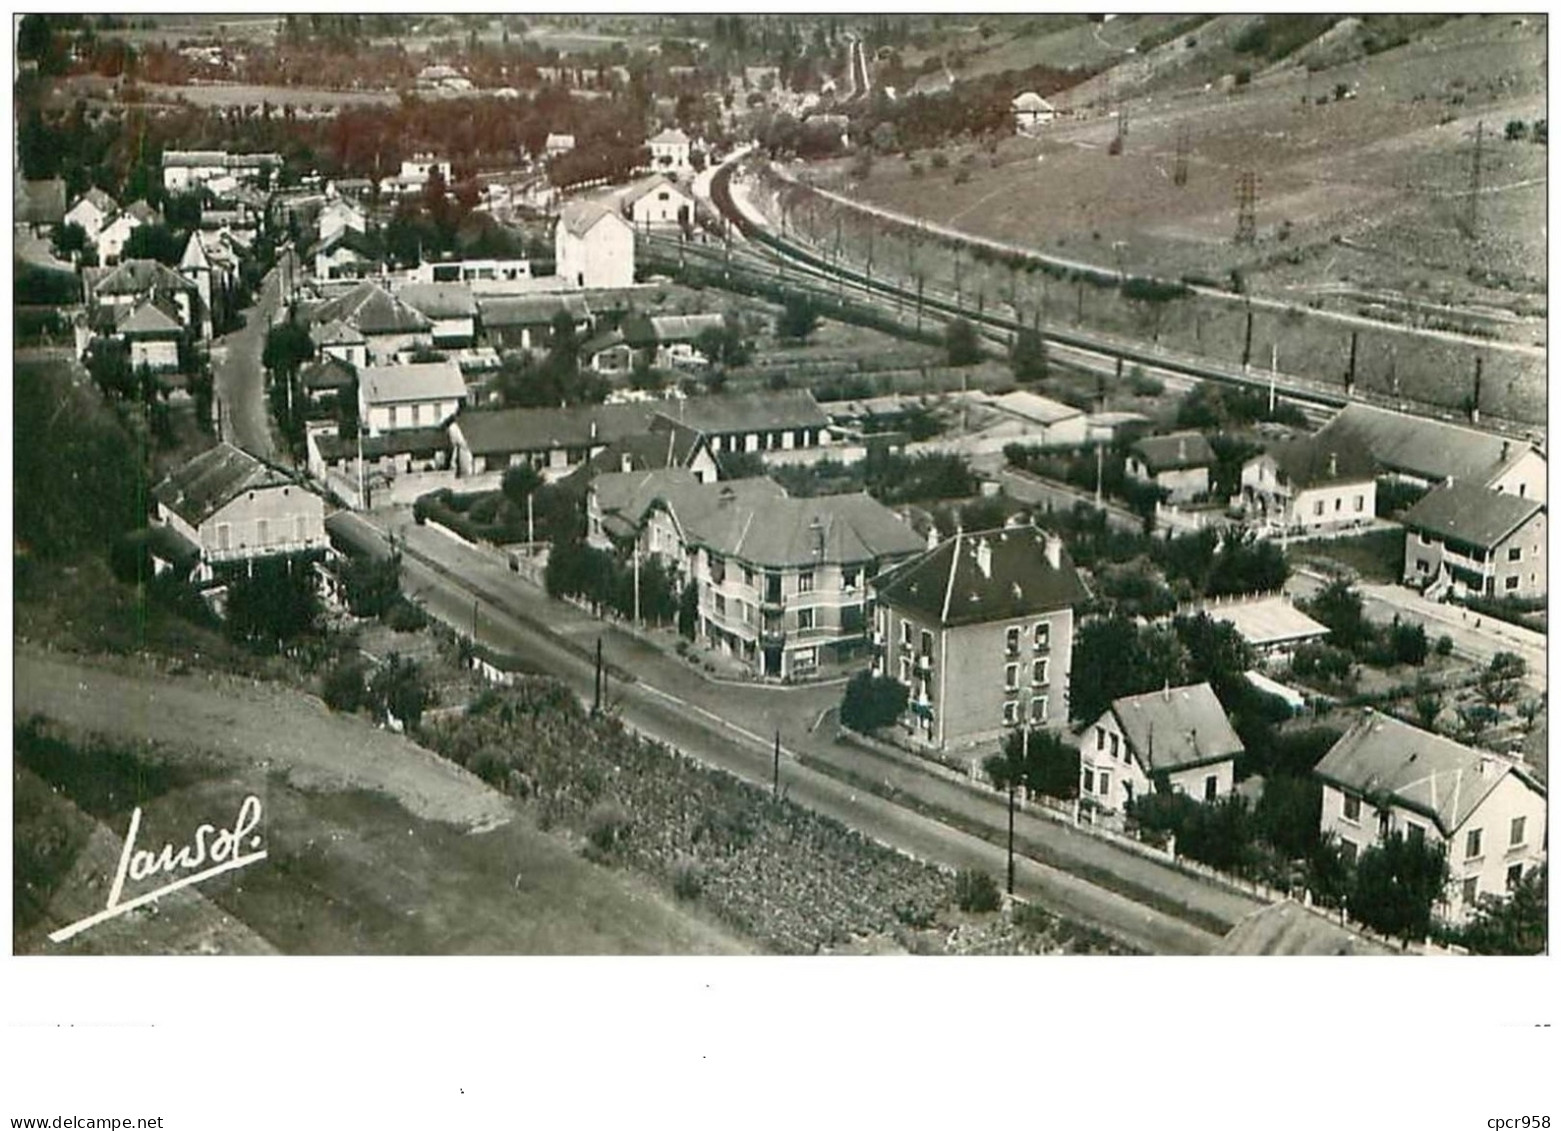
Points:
[1181,448]
[1333,465]
[593,429]
[984,557]
[1506,450]
[726,496]
[1053,546]
[626,462]
[932,536]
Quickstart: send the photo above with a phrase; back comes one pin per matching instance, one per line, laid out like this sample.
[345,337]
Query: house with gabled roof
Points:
[388,325]
[1175,740]
[450,308]
[1310,484]
[553,440]
[781,580]
[669,152]
[754,422]
[1468,540]
[980,628]
[526,322]
[1031,112]
[1178,463]
[418,395]
[92,210]
[225,509]
[667,444]
[657,202]
[337,339]
[129,284]
[593,247]
[346,253]
[1420,450]
[152,330]
[110,244]
[1386,778]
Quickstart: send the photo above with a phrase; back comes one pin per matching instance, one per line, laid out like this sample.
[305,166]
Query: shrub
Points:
[940,160]
[345,688]
[872,701]
[1444,645]
[607,826]
[404,616]
[964,347]
[688,879]
[975,891]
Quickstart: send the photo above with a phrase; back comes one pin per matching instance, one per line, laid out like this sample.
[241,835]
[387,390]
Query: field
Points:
[375,845]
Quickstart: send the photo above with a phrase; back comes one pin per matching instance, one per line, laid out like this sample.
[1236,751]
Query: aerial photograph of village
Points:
[885,484]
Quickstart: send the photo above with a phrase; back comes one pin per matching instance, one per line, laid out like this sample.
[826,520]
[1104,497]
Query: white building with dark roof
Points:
[419,395]
[1177,739]
[594,247]
[669,153]
[1386,778]
[1471,541]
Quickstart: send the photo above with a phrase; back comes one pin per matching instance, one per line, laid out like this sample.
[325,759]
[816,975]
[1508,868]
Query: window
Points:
[1517,830]
[1038,709]
[1211,787]
[1348,850]
[1471,891]
[392,416]
[224,536]
[262,532]
[1013,641]
[926,643]
[417,415]
[1360,503]
[1089,780]
[1351,808]
[1038,672]
[905,633]
[850,579]
[1100,738]
[1011,677]
[1422,566]
[720,605]
[1105,784]
[1317,507]
[905,669]
[1514,876]
[1010,713]
[1471,845]
[805,581]
[804,619]
[298,528]
[1115,747]
[1515,553]
[1043,636]
[1512,581]
[1338,505]
[1414,834]
[747,575]
[1127,792]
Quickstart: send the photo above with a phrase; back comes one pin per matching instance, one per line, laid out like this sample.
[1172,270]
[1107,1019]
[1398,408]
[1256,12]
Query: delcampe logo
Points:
[211,850]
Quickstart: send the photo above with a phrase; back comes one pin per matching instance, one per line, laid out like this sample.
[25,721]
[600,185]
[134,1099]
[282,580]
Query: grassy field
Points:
[1377,556]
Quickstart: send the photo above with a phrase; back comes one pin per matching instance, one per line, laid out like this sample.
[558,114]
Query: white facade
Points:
[1111,774]
[663,206]
[111,239]
[599,256]
[1525,478]
[1327,506]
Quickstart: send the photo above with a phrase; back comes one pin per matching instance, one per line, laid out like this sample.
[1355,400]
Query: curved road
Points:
[240,379]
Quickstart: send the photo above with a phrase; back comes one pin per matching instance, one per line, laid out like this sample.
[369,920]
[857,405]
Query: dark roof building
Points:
[1313,461]
[371,309]
[1432,450]
[755,412]
[1176,728]
[1470,515]
[1174,452]
[214,478]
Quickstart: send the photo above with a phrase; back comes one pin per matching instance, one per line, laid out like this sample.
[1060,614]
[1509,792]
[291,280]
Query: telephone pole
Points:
[596,703]
[1472,218]
[1246,208]
[775,777]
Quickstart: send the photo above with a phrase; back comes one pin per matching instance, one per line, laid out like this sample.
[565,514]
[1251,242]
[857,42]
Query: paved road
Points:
[896,800]
[1474,636]
[240,378]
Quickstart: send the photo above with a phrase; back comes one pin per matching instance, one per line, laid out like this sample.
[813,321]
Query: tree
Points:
[976,892]
[1289,812]
[688,611]
[273,603]
[1518,924]
[345,688]
[154,241]
[1500,682]
[371,585]
[1408,642]
[872,701]
[1339,606]
[798,319]
[399,688]
[1113,657]
[1027,358]
[1427,704]
[519,482]
[1050,766]
[1396,885]
[69,239]
[964,347]
[287,347]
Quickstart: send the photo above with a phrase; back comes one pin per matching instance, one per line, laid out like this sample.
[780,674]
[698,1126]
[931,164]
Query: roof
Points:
[1427,449]
[644,330]
[1286,927]
[669,137]
[957,582]
[1177,727]
[755,412]
[333,446]
[40,202]
[439,300]
[1381,758]
[1042,410]
[215,158]
[372,310]
[536,310]
[99,200]
[329,372]
[1174,451]
[211,480]
[1468,513]
[648,186]
[418,381]
[1267,621]
[1030,102]
[151,318]
[334,333]
[144,212]
[755,521]
[138,277]
[668,445]
[560,141]
[171,546]
[580,216]
[509,430]
[1313,461]
[345,237]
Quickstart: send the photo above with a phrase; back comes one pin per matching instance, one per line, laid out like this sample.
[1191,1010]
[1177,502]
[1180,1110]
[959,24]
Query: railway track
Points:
[763,253]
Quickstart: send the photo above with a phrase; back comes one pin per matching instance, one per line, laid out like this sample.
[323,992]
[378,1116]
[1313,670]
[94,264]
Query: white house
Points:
[658,203]
[1178,463]
[152,330]
[669,152]
[92,210]
[449,307]
[420,395]
[225,508]
[557,145]
[190,169]
[1031,112]
[1385,778]
[1176,739]
[112,237]
[340,214]
[1311,484]
[594,247]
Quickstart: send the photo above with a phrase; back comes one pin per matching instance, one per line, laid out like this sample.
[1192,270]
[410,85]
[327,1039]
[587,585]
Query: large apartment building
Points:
[980,628]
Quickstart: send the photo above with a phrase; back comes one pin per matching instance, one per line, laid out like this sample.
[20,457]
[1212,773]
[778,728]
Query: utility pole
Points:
[1349,377]
[1246,208]
[1013,782]
[1246,348]
[1472,219]
[1100,470]
[596,703]
[636,586]
[531,521]
[474,620]
[1183,146]
[775,774]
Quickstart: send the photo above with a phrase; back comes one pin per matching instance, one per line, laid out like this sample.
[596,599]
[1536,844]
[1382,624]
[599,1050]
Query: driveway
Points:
[241,379]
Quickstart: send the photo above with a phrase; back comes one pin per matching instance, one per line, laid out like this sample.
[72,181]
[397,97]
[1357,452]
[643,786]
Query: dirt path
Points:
[261,726]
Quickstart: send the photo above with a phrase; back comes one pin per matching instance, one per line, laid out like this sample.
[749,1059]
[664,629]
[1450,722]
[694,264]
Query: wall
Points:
[160,357]
[294,517]
[1424,557]
[604,258]
[411,414]
[1341,504]
[1526,478]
